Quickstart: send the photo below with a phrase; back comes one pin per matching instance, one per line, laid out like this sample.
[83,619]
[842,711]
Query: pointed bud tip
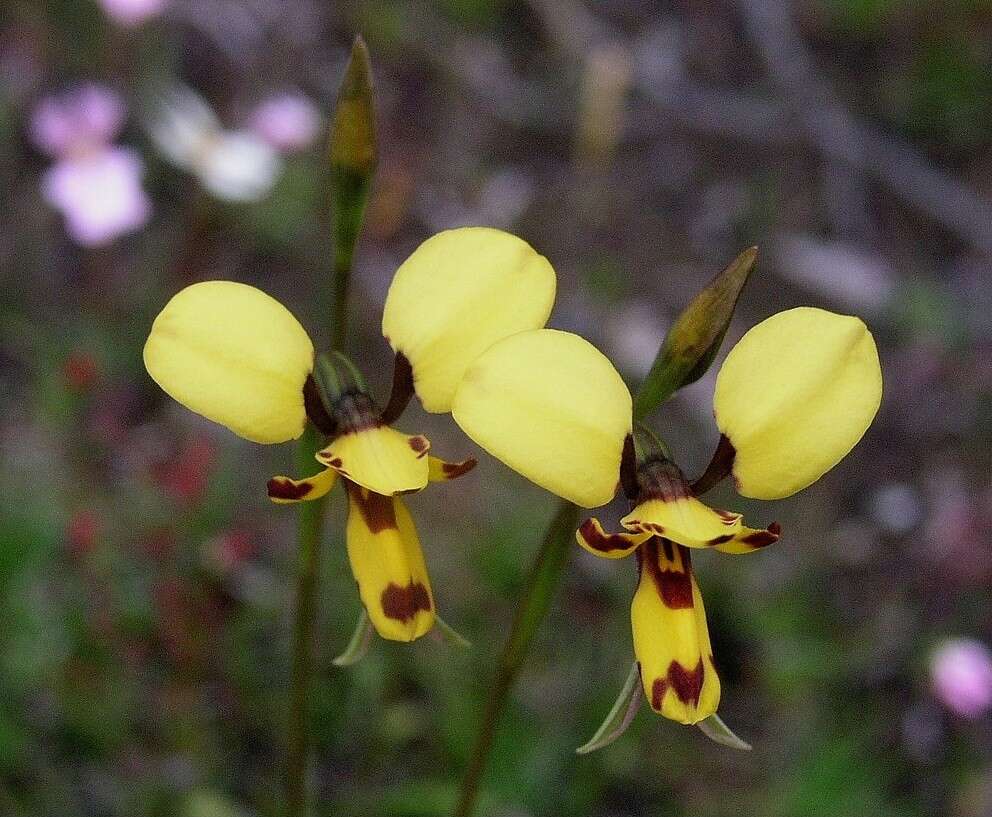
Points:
[353,141]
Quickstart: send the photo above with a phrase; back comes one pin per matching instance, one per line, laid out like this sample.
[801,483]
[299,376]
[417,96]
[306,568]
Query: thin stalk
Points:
[308,570]
[534,603]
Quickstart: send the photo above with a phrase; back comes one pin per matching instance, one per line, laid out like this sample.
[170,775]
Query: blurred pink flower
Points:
[99,193]
[131,12]
[77,121]
[287,121]
[961,670]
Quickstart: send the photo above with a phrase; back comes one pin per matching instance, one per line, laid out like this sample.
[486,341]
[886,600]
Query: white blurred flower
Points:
[99,193]
[287,121]
[961,670]
[232,165]
[131,12]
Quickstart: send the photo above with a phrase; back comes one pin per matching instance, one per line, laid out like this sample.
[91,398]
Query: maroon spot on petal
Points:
[688,684]
[335,463]
[287,489]
[602,542]
[654,526]
[763,538]
[377,510]
[453,470]
[419,444]
[658,690]
[719,540]
[674,586]
[403,603]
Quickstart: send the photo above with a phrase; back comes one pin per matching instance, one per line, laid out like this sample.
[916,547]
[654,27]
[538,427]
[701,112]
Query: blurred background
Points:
[145,579]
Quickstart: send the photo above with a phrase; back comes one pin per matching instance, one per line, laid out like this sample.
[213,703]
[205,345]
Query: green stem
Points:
[534,603]
[298,748]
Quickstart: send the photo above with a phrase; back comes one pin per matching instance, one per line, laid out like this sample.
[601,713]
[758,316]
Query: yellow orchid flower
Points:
[671,640]
[238,357]
[792,398]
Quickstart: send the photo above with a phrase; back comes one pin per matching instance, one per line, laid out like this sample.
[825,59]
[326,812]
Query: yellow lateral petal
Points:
[285,490]
[552,407]
[457,294]
[235,355]
[794,396]
[388,564]
[593,538]
[671,639]
[693,523]
[441,471]
[379,458]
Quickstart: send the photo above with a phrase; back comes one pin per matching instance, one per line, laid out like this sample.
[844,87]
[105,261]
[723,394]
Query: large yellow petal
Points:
[460,292]
[235,355]
[551,406]
[671,639]
[694,524]
[388,564]
[794,396]
[380,458]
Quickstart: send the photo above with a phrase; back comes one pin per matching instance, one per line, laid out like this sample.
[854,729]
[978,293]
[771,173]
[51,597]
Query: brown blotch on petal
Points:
[719,540]
[403,603]
[594,537]
[453,470]
[377,510]
[763,538]
[287,489]
[674,586]
[419,444]
[658,690]
[335,463]
[688,684]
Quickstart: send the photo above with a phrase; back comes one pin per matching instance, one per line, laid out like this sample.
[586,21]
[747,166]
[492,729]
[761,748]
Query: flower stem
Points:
[534,603]
[298,748]
[353,160]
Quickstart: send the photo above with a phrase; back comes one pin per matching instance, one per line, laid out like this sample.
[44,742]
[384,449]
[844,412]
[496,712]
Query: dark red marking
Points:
[335,463]
[658,690]
[287,489]
[453,470]
[763,538]
[403,603]
[688,684]
[419,444]
[377,510]
[666,545]
[719,540]
[674,586]
[602,542]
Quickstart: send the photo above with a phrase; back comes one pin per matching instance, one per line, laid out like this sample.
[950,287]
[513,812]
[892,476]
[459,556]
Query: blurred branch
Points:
[838,134]
[824,122]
